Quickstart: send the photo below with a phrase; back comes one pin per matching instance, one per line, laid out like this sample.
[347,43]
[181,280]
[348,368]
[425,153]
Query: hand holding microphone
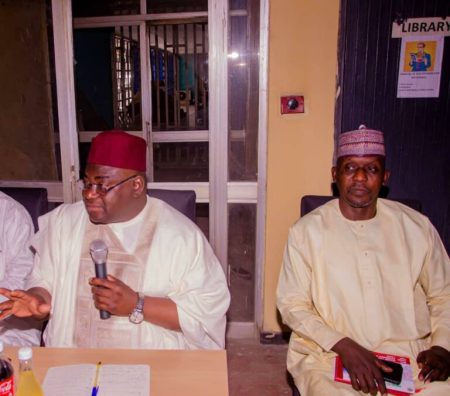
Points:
[99,253]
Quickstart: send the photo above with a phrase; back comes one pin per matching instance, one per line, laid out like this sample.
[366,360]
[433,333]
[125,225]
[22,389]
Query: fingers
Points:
[429,374]
[442,375]
[43,309]
[369,379]
[102,305]
[99,282]
[369,386]
[435,375]
[109,282]
[355,382]
[368,382]
[434,364]
[113,295]
[421,358]
[5,309]
[423,365]
[105,288]
[105,294]
[6,305]
[424,372]
[33,308]
[383,366]
[20,295]
[381,386]
[379,376]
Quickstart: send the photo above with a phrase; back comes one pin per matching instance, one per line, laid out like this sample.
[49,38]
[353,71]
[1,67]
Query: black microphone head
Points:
[99,251]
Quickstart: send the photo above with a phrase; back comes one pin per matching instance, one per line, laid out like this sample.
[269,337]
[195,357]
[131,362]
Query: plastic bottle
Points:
[28,384]
[6,375]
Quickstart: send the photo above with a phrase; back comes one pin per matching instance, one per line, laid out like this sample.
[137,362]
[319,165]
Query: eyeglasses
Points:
[99,188]
[350,169]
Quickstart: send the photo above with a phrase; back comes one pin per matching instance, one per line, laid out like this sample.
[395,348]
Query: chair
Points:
[182,200]
[311,202]
[34,199]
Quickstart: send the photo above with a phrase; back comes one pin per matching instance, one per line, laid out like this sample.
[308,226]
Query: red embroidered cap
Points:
[118,149]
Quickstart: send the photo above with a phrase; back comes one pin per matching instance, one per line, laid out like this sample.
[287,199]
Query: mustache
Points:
[358,187]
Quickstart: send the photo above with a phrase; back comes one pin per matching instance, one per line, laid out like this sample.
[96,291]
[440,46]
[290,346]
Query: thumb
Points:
[44,308]
[383,366]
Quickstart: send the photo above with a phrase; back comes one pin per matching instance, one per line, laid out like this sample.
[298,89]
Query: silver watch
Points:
[137,315]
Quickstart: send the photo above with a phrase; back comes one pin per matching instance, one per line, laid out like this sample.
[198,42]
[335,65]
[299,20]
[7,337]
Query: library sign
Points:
[421,27]
[421,52]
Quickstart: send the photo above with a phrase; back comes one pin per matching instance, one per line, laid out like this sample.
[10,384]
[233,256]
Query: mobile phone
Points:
[395,376]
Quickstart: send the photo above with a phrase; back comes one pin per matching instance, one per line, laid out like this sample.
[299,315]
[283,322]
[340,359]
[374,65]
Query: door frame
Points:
[219,192]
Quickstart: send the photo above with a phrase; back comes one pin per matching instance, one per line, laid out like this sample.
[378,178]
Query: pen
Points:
[95,386]
[426,377]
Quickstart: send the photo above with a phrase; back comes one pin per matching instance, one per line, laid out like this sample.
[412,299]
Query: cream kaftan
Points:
[384,282]
[179,264]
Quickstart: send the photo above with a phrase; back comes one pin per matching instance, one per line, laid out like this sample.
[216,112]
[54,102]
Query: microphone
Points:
[99,252]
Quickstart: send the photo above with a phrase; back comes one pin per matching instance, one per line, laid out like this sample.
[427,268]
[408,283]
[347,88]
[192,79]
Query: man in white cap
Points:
[165,288]
[361,275]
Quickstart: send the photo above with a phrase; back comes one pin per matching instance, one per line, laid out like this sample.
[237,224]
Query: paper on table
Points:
[114,380]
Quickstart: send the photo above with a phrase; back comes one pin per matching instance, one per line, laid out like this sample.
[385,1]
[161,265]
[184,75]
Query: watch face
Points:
[136,316]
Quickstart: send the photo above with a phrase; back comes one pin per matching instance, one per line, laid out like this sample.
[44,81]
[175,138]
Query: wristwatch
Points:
[137,315]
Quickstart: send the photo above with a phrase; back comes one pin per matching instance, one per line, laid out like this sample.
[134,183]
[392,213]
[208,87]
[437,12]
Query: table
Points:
[173,372]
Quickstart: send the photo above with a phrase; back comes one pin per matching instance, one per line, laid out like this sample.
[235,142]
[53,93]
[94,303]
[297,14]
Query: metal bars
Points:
[179,53]
[125,46]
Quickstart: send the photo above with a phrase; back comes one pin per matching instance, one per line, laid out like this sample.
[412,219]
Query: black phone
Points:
[395,376]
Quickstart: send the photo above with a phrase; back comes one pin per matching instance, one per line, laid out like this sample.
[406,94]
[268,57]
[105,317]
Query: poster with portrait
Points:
[420,67]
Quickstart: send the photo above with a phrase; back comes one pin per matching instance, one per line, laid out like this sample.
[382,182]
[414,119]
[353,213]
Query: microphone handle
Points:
[100,272]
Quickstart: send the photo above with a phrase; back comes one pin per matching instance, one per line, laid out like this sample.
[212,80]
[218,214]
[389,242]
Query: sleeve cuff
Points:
[441,338]
[330,340]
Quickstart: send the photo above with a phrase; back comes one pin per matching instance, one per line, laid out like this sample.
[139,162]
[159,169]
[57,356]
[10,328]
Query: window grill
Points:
[179,69]
[126,85]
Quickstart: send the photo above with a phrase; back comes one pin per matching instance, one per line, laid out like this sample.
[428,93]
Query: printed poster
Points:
[420,67]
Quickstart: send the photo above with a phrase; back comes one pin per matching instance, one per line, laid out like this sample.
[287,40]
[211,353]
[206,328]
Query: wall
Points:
[26,126]
[302,60]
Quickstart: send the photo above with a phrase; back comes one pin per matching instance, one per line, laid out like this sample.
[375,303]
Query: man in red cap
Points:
[165,288]
[363,275]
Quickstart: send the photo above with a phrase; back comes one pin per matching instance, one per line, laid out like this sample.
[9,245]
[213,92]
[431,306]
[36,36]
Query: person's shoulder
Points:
[174,228]
[402,212]
[319,214]
[68,209]
[13,208]
[10,201]
[66,213]
[314,222]
[398,207]
[169,217]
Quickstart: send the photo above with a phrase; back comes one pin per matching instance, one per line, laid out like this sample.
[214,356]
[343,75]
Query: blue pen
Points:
[95,386]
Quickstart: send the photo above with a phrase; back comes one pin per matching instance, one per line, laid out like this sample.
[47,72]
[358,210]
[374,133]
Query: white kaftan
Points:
[16,262]
[383,282]
[180,265]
